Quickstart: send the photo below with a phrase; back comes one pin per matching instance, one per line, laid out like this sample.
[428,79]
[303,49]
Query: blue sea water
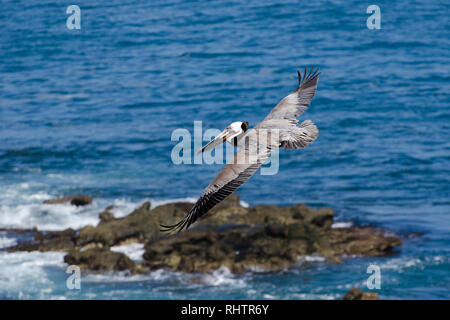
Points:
[92,111]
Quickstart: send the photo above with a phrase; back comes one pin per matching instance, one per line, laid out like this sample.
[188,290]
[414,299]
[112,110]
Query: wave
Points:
[22,208]
[134,251]
[220,277]
[403,264]
[47,217]
[24,275]
[6,242]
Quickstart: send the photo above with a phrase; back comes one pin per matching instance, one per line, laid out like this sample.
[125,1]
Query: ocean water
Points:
[92,111]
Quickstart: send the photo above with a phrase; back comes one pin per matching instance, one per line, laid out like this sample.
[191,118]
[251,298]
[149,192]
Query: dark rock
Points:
[262,214]
[232,201]
[61,244]
[353,294]
[51,235]
[370,296]
[268,247]
[99,260]
[142,224]
[75,200]
[48,241]
[362,241]
[106,215]
[358,294]
[24,246]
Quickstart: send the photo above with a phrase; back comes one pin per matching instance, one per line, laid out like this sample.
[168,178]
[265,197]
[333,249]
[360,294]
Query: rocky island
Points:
[261,237]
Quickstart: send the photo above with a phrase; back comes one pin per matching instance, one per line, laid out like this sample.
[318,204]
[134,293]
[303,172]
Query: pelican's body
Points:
[278,129]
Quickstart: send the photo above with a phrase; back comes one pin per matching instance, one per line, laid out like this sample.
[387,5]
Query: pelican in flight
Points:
[279,129]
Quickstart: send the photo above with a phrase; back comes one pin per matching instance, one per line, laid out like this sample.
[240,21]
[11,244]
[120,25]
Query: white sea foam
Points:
[21,206]
[24,275]
[314,296]
[401,264]
[6,242]
[309,259]
[314,258]
[62,216]
[222,276]
[156,203]
[47,217]
[117,276]
[32,213]
[256,269]
[343,224]
[123,207]
[134,251]
[244,204]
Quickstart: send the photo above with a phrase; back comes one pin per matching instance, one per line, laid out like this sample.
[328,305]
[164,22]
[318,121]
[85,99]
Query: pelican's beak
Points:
[221,138]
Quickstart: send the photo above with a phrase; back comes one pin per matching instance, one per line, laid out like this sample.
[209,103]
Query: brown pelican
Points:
[278,129]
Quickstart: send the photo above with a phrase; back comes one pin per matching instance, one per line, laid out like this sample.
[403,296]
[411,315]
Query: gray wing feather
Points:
[298,101]
[284,116]
[300,136]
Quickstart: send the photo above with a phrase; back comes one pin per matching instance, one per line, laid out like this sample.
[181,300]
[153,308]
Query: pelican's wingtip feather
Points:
[308,78]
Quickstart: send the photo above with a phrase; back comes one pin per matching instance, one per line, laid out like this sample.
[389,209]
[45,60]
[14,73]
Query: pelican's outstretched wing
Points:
[298,101]
[279,127]
[284,116]
[234,174]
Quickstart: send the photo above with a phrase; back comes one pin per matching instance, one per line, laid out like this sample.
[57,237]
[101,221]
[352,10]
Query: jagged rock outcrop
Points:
[358,294]
[265,247]
[99,260]
[48,241]
[263,237]
[75,200]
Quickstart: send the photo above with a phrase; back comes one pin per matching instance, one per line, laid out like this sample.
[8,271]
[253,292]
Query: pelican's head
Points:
[234,130]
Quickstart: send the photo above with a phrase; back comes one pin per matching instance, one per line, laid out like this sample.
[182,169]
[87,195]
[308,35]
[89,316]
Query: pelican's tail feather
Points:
[300,137]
